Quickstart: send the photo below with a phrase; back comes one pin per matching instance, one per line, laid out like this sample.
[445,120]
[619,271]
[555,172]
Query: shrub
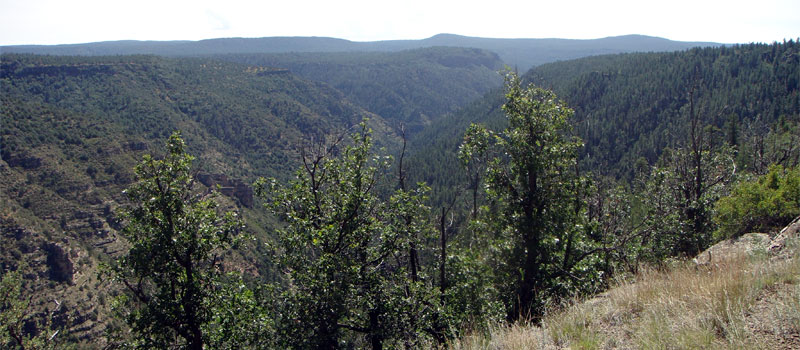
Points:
[765,204]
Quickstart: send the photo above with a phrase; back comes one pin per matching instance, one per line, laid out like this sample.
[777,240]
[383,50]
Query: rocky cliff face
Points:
[233,188]
[60,279]
[59,265]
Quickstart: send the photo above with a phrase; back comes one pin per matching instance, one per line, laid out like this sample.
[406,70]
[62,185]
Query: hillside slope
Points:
[74,127]
[632,106]
[740,294]
[635,105]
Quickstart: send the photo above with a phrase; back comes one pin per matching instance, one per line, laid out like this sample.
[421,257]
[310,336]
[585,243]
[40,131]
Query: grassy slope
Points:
[747,297]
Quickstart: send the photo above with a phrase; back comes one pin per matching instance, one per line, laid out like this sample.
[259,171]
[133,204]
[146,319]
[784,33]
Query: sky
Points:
[47,22]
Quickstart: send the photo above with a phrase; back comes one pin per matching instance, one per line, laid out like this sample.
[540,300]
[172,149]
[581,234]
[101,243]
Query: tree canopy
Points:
[537,191]
[171,274]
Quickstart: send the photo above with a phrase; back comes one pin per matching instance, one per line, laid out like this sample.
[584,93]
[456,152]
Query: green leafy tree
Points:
[779,145]
[766,203]
[615,213]
[474,157]
[535,186]
[682,188]
[678,208]
[171,273]
[345,251]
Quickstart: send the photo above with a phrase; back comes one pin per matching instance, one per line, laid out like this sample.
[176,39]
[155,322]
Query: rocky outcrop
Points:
[779,242]
[244,193]
[233,188]
[749,243]
[734,247]
[59,265]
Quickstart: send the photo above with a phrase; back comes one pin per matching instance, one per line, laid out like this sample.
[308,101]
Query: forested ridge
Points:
[365,202]
[257,113]
[633,106]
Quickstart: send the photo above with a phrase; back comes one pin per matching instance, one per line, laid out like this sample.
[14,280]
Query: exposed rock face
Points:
[230,187]
[780,240]
[244,193]
[747,243]
[58,263]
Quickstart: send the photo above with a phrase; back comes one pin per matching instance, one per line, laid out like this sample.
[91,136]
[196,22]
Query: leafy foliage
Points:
[779,145]
[73,128]
[632,106]
[356,259]
[346,254]
[474,156]
[171,272]
[539,218]
[678,208]
[688,181]
[16,318]
[761,204]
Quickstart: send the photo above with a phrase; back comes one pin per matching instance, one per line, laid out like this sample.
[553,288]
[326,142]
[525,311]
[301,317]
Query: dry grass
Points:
[744,299]
[511,337]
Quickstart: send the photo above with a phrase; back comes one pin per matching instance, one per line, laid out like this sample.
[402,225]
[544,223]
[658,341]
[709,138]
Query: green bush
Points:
[765,204]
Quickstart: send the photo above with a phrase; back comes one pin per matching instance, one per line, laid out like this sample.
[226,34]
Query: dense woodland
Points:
[630,107]
[408,87]
[373,200]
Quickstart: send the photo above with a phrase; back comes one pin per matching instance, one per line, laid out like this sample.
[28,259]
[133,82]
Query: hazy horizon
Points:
[52,22]
[355,41]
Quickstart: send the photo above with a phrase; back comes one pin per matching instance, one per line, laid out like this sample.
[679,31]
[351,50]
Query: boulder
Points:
[732,248]
[789,231]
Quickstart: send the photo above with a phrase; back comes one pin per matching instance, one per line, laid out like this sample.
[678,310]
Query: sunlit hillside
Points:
[739,294]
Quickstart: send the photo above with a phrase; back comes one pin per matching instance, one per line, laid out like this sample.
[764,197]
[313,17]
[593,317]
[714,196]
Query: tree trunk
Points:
[195,340]
[375,336]
[531,235]
[443,255]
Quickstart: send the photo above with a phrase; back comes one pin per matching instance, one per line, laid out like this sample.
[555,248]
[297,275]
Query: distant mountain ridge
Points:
[520,53]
